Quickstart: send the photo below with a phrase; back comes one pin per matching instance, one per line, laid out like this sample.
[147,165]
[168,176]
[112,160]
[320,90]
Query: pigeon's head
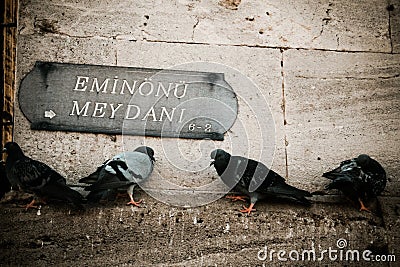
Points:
[13,150]
[219,155]
[146,150]
[363,160]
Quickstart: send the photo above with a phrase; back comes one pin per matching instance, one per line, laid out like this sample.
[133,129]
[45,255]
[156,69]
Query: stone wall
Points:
[329,73]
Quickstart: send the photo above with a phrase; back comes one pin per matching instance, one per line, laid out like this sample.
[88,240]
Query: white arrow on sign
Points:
[49,114]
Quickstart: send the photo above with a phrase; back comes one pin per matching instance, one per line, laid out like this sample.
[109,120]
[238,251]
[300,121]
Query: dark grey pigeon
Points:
[360,179]
[36,177]
[124,171]
[254,179]
[5,185]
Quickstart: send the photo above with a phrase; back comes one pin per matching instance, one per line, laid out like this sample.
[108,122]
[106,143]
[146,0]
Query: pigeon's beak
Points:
[212,162]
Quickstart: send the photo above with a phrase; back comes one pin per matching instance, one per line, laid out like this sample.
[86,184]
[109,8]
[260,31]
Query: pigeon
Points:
[36,177]
[254,179]
[5,185]
[360,179]
[98,195]
[124,171]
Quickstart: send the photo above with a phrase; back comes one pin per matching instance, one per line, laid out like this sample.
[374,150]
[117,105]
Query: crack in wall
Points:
[283,107]
[117,37]
[116,57]
[274,47]
[337,41]
[325,21]
[194,27]
[390,8]
[350,77]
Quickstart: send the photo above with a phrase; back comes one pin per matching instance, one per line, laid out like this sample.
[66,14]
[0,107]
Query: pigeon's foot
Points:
[249,209]
[31,205]
[363,207]
[236,198]
[132,202]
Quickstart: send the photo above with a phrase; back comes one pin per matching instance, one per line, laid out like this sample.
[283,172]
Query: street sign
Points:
[128,100]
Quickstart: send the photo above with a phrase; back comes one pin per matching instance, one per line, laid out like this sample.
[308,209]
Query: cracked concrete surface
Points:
[329,72]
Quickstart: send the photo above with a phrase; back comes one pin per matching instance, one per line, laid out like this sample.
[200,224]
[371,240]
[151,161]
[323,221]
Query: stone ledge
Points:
[213,234]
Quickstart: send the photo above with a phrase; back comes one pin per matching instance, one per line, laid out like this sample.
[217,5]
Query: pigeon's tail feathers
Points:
[284,188]
[74,197]
[331,174]
[64,193]
[91,179]
[303,201]
[101,195]
[108,185]
[287,191]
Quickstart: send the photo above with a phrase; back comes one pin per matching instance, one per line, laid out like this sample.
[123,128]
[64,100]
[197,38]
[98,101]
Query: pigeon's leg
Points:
[133,202]
[249,209]
[236,198]
[254,197]
[363,207]
[31,205]
[130,194]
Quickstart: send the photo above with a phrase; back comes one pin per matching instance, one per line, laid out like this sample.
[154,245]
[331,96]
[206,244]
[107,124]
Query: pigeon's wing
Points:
[375,183]
[34,174]
[140,166]
[272,179]
[269,183]
[374,175]
[116,173]
[350,183]
[246,174]
[258,181]
[118,165]
[233,173]
[107,181]
[349,179]
[94,177]
[345,166]
[123,170]
[118,168]
[51,175]
[261,177]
